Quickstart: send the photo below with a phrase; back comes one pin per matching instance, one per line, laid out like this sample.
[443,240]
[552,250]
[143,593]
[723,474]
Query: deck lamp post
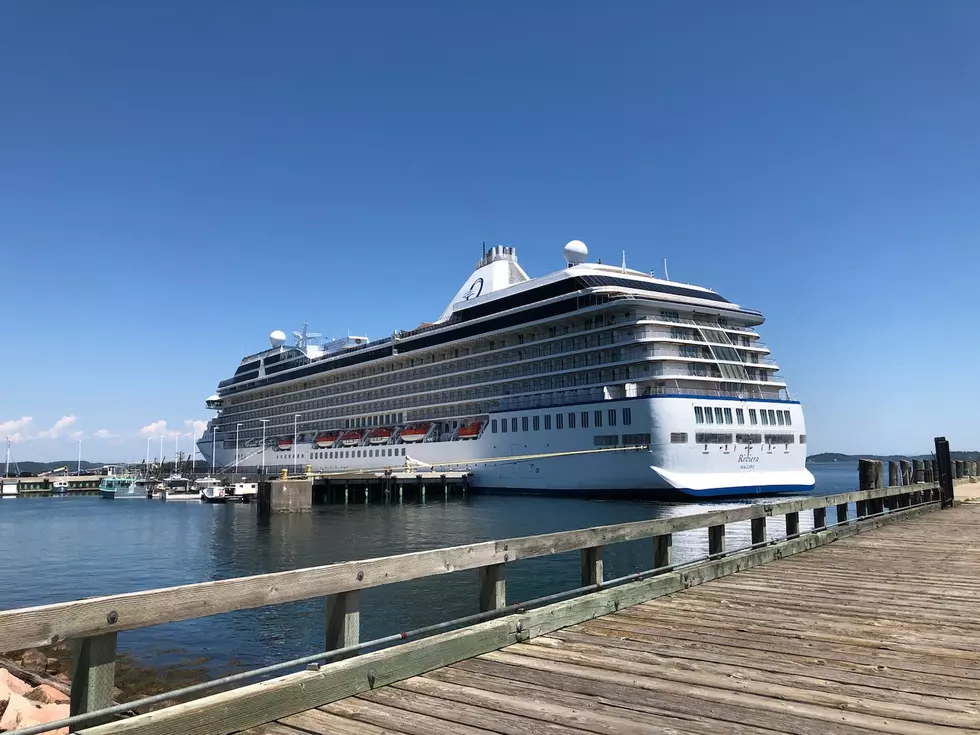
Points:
[295,440]
[237,428]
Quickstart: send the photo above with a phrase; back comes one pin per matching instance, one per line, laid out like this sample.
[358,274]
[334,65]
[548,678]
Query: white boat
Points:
[9,487]
[59,486]
[179,490]
[244,491]
[119,484]
[592,379]
[210,490]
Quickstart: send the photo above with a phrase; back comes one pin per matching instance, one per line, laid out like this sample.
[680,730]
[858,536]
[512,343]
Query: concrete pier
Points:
[291,495]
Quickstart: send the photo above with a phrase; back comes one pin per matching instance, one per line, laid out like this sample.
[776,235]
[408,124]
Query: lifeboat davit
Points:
[415,432]
[351,438]
[379,436]
[326,439]
[470,431]
[283,444]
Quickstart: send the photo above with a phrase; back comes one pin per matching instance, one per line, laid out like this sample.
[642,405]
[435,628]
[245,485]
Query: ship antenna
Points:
[666,276]
[624,261]
[484,248]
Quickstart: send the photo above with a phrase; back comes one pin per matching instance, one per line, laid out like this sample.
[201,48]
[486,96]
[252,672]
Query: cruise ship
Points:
[594,379]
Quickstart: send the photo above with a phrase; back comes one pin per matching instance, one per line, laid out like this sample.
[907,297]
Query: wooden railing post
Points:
[945,474]
[842,513]
[93,675]
[906,471]
[893,473]
[493,588]
[662,550]
[819,518]
[861,508]
[716,540]
[792,525]
[759,531]
[592,566]
[343,621]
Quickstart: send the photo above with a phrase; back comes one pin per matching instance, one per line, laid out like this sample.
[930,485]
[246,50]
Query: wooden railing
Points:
[93,624]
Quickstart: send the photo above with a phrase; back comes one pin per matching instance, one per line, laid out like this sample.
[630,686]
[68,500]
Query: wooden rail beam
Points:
[591,566]
[493,588]
[93,674]
[343,620]
[662,550]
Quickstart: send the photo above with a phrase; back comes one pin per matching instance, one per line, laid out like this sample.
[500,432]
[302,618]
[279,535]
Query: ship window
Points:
[559,421]
[709,417]
[802,438]
[789,419]
[719,416]
[547,422]
[598,419]
[678,437]
[493,426]
[503,426]
[612,417]
[536,423]
[609,440]
[739,416]
[585,420]
[728,415]
[627,416]
[571,420]
[779,418]
[524,423]
[772,417]
[513,424]
[698,415]
[765,417]
[752,418]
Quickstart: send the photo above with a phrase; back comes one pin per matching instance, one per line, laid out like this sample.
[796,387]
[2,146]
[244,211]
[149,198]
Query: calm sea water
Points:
[56,549]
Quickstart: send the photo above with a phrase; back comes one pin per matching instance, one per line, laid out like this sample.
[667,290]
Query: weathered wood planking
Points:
[49,624]
[289,695]
[876,633]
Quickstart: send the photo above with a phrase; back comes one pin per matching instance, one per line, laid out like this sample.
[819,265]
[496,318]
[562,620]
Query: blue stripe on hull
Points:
[748,492]
[659,493]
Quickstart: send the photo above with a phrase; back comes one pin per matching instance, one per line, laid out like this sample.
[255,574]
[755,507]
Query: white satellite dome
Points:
[576,252]
[277,338]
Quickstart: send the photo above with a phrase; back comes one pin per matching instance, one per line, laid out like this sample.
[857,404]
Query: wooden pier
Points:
[866,622]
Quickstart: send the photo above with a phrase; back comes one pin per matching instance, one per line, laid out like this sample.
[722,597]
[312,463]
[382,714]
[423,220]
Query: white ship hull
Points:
[568,460]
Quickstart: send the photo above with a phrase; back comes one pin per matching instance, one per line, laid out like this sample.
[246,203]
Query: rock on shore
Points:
[23,705]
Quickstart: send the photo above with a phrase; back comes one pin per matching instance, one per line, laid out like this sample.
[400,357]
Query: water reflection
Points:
[93,547]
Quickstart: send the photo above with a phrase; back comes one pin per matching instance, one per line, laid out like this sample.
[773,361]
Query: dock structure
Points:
[862,621]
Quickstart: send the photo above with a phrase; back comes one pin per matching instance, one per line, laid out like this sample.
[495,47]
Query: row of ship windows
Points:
[704,437]
[533,423]
[354,453]
[716,415]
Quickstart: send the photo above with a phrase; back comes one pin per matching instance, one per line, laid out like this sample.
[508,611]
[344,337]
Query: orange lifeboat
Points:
[379,436]
[284,444]
[415,432]
[326,439]
[351,438]
[471,430]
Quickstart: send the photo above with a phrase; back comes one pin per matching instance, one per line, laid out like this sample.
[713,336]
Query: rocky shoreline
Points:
[35,684]
[33,691]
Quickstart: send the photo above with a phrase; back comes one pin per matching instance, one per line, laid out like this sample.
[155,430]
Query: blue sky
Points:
[178,179]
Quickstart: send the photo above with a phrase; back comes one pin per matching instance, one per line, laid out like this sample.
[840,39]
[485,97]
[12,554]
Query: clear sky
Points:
[178,178]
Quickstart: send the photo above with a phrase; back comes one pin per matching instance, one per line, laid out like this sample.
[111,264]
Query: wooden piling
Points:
[906,471]
[893,473]
[93,672]
[879,474]
[918,471]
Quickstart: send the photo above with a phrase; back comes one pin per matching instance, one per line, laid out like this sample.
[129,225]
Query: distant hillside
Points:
[39,467]
[838,457]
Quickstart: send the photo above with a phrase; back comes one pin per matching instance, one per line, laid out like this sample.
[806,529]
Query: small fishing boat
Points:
[246,492]
[179,490]
[210,490]
[59,486]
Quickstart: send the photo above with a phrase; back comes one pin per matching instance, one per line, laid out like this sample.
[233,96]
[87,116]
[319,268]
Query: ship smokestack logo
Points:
[476,288]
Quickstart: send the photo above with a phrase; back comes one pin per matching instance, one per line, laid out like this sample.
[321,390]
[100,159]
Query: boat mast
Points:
[6,469]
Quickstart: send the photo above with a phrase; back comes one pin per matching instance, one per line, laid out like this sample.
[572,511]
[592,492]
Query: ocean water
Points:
[57,549]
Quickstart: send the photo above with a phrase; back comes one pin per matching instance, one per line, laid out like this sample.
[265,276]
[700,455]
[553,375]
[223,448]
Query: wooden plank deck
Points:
[876,633]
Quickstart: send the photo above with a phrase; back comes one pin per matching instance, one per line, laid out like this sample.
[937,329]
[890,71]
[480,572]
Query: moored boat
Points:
[179,490]
[210,489]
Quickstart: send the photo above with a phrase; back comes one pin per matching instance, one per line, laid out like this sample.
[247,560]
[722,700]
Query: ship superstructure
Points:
[593,378]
